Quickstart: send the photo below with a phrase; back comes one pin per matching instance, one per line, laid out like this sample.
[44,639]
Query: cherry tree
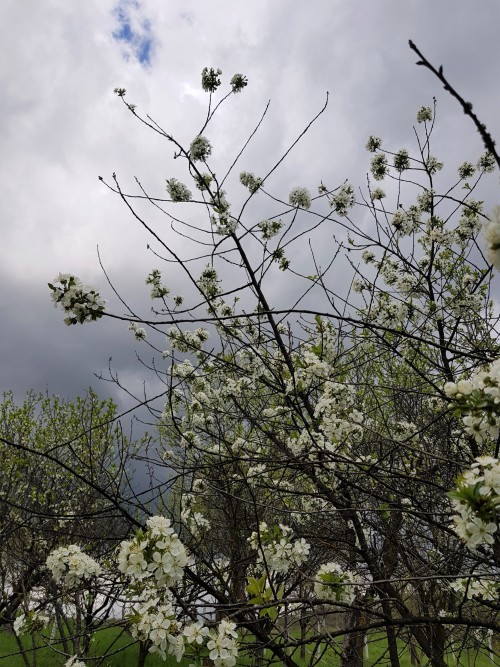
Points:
[314,435]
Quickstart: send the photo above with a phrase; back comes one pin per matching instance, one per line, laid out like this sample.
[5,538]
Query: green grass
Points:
[128,657]
[108,641]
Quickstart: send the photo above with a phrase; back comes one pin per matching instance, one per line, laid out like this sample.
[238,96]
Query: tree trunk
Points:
[143,654]
[437,642]
[414,657]
[352,650]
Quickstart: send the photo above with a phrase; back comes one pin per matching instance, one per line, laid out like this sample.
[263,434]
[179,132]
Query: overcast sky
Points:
[62,127]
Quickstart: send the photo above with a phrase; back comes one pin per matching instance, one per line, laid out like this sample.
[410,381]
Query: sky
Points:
[62,127]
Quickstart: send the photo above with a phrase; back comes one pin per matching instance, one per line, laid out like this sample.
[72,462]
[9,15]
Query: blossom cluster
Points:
[210,79]
[81,302]
[492,237]
[200,149]
[300,197]
[469,222]
[373,144]
[478,398]
[406,222]
[332,581]
[477,587]
[250,181]
[476,500]
[223,645]
[424,114]
[186,341]
[178,191]
[209,282]
[377,194]
[269,228]
[222,220]
[340,422]
[194,520]
[238,82]
[203,181]
[343,200]
[378,166]
[486,163]
[224,223]
[71,567]
[139,332]
[276,548]
[156,554]
[154,561]
[30,621]
[74,662]
[401,160]
[153,619]
[158,291]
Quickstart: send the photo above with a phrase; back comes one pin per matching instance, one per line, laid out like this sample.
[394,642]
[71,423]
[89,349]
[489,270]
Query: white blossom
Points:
[269,228]
[250,181]
[178,191]
[139,332]
[300,197]
[210,79]
[486,163]
[157,554]
[424,114]
[402,160]
[492,237]
[466,170]
[70,566]
[377,194]
[332,581]
[200,149]
[238,82]
[276,548]
[373,144]
[378,166]
[343,200]
[433,165]
[477,588]
[223,646]
[81,302]
[74,662]
[158,291]
[195,633]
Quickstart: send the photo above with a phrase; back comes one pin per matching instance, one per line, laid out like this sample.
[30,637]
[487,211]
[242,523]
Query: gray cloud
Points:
[62,127]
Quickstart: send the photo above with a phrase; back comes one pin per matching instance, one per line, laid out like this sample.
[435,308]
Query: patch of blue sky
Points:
[134,31]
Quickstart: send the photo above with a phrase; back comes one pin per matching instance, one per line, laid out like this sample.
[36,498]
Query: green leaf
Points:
[385,514]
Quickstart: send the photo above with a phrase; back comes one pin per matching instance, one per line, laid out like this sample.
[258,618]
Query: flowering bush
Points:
[324,413]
